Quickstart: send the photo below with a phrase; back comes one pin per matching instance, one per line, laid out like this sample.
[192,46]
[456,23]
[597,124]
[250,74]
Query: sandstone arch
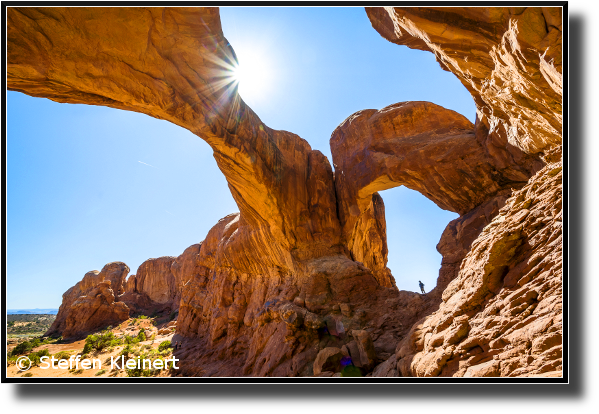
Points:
[174,66]
[421,145]
[267,279]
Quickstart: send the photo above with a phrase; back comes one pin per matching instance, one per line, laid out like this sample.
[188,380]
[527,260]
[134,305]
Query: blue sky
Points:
[89,185]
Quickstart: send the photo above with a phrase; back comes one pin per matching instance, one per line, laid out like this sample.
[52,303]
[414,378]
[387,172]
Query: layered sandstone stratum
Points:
[296,283]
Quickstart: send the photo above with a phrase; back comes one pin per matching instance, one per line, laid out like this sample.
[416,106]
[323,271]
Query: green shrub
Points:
[173,315]
[35,342]
[100,341]
[21,348]
[62,355]
[36,356]
[141,335]
[131,339]
[164,345]
[147,372]
[87,348]
[27,374]
[102,371]
[126,351]
[78,371]
[11,359]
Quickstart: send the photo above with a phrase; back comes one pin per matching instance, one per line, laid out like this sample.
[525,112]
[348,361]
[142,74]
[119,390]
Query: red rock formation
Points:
[130,284]
[502,316]
[186,267]
[155,279]
[272,286]
[115,272]
[93,311]
[423,146]
[509,58]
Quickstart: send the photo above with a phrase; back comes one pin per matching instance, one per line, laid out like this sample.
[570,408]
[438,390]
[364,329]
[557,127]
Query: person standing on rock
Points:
[421,287]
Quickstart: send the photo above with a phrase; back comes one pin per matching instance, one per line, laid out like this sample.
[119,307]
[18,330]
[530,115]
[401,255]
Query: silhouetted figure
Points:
[421,286]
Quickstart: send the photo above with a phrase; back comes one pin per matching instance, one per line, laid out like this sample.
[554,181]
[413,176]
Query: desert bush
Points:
[36,356]
[173,315]
[141,335]
[22,348]
[78,371]
[100,341]
[131,339]
[164,345]
[102,371]
[11,359]
[126,351]
[27,374]
[147,372]
[62,355]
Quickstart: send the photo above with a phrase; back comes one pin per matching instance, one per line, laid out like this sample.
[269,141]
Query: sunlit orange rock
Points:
[420,145]
[501,309]
[115,273]
[303,263]
[93,311]
[509,58]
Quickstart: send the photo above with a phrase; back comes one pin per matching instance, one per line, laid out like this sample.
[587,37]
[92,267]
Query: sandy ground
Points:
[129,327]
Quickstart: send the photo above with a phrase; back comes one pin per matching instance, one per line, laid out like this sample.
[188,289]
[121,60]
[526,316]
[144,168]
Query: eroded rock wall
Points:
[114,274]
[509,58]
[93,311]
[501,310]
[502,315]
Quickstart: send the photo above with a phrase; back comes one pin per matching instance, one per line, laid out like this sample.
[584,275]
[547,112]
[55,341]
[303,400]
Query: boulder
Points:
[366,351]
[328,359]
[94,311]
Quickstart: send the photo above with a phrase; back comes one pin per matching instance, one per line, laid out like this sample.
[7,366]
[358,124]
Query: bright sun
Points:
[254,76]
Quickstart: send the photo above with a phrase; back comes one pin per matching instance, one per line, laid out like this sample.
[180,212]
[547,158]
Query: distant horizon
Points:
[30,311]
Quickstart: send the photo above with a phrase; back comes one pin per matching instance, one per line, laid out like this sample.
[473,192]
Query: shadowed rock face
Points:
[510,59]
[502,315]
[302,266]
[501,310]
[115,274]
[155,279]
